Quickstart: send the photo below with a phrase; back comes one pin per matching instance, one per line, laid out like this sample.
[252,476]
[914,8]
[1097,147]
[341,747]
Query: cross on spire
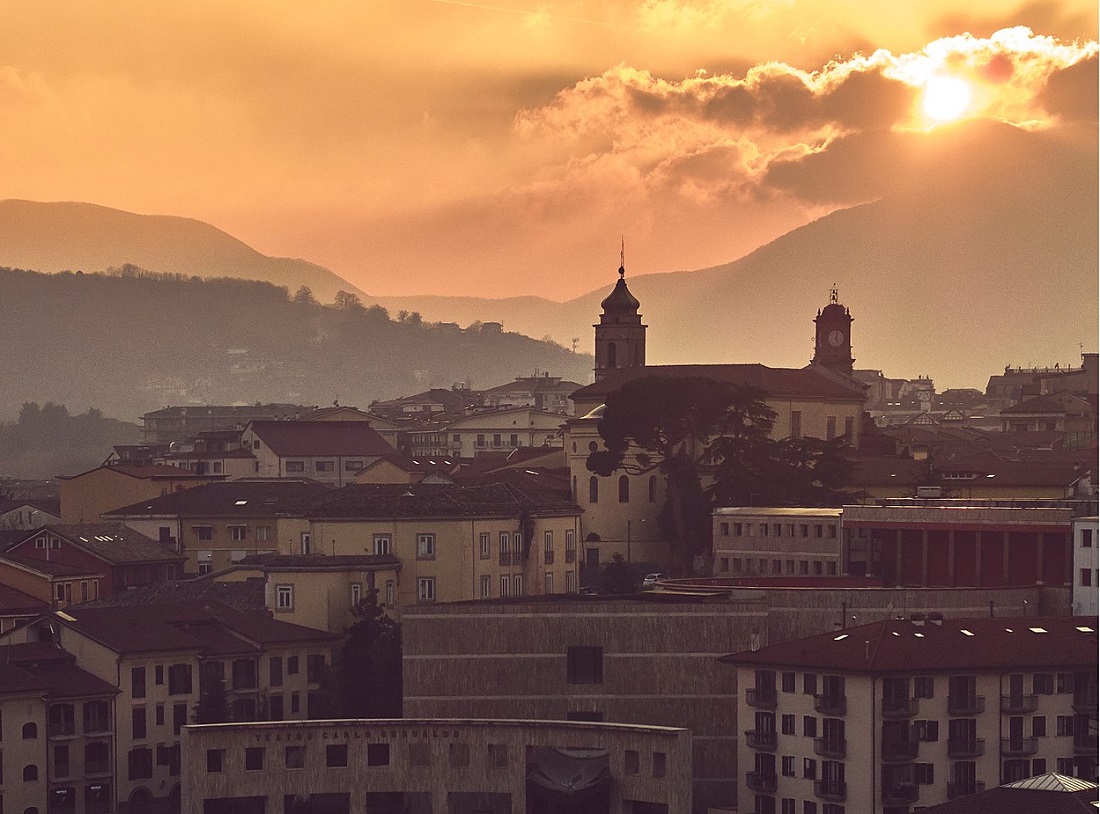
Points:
[622,257]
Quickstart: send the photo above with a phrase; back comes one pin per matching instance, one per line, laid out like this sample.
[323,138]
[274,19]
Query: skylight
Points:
[240,503]
[841,636]
[1037,629]
[919,635]
[966,632]
[1085,629]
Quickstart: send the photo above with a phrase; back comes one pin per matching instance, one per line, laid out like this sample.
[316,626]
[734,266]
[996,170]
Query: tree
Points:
[213,706]
[789,472]
[616,577]
[347,301]
[304,296]
[669,424]
[365,679]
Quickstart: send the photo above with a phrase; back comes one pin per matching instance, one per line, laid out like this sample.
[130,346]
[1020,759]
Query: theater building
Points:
[436,766]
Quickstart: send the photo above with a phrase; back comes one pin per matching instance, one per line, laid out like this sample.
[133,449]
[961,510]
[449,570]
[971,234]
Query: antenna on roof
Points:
[622,256]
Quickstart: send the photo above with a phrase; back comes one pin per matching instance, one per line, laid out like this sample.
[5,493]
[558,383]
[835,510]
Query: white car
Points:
[650,580]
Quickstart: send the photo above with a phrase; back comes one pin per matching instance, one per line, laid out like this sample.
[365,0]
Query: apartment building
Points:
[777,542]
[885,717]
[1086,561]
[153,663]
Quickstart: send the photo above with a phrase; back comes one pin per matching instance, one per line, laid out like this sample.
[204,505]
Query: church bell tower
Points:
[620,334]
[833,337]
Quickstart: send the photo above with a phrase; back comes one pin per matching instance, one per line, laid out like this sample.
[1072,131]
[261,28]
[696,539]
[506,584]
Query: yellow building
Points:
[86,497]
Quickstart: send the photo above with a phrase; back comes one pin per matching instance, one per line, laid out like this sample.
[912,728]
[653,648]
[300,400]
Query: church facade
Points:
[820,400]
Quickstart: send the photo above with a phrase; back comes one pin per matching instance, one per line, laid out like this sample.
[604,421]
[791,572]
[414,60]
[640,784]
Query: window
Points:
[1042,683]
[238,533]
[158,715]
[315,667]
[295,466]
[923,687]
[254,758]
[382,544]
[284,597]
[787,806]
[263,534]
[96,716]
[584,665]
[796,423]
[570,582]
[1063,725]
[660,764]
[295,703]
[548,546]
[425,589]
[420,754]
[324,466]
[928,731]
[97,758]
[137,723]
[1086,538]
[356,594]
[336,755]
[275,707]
[30,731]
[61,760]
[179,679]
[292,665]
[809,768]
[391,592]
[486,586]
[30,773]
[924,774]
[1086,577]
[244,674]
[809,683]
[517,585]
[517,545]
[425,546]
[624,489]
[830,427]
[353,465]
[593,490]
[275,671]
[1039,726]
[632,763]
[809,726]
[786,723]
[140,763]
[294,757]
[179,718]
[498,756]
[788,765]
[378,754]
[203,533]
[215,760]
[484,545]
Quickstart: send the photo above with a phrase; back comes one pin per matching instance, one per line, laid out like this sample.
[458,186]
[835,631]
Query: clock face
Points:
[835,338]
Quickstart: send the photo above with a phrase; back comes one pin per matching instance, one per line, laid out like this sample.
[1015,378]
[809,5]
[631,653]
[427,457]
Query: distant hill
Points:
[134,342]
[51,237]
[978,263]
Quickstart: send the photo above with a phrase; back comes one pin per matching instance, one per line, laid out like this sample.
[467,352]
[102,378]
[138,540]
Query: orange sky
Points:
[501,148]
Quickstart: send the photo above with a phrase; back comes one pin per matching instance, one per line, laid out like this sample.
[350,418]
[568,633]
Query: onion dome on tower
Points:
[620,334]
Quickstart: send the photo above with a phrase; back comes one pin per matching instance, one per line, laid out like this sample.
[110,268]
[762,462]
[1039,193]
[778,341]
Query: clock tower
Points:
[620,334]
[833,337]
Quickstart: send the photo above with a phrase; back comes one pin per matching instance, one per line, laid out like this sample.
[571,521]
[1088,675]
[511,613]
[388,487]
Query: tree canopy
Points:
[365,679]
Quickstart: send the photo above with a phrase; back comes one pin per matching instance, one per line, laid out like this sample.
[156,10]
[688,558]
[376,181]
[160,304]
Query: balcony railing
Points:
[760,698]
[831,704]
[894,751]
[548,558]
[760,739]
[505,558]
[570,555]
[60,729]
[900,794]
[899,707]
[964,789]
[965,747]
[761,782]
[834,791]
[831,747]
[1084,744]
[1016,747]
[1018,704]
[965,704]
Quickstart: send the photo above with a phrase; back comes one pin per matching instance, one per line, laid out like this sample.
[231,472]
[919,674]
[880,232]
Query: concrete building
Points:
[777,542]
[880,718]
[180,423]
[436,766]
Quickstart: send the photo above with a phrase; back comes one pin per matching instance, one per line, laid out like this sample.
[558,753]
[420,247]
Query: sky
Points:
[506,148]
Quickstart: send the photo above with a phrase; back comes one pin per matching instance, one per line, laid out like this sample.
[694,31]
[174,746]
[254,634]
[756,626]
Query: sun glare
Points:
[946,98]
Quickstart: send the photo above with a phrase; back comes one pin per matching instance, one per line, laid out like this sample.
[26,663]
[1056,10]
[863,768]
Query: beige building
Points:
[433,766]
[777,542]
[160,657]
[879,718]
[454,542]
[329,452]
[500,431]
[86,497]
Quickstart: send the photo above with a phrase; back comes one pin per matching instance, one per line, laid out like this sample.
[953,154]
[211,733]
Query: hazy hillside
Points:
[52,237]
[978,266]
[129,344]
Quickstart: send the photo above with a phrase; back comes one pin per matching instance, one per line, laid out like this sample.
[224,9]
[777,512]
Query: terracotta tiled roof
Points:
[1038,404]
[954,644]
[242,498]
[151,472]
[46,504]
[247,595]
[50,568]
[14,602]
[320,562]
[306,438]
[43,668]
[774,381]
[114,543]
[886,471]
[497,499]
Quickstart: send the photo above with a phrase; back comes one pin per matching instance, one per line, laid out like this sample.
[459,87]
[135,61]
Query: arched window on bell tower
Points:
[620,334]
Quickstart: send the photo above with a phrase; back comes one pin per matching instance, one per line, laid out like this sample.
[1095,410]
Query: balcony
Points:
[899,707]
[548,558]
[1019,747]
[959,748]
[570,555]
[899,751]
[835,748]
[505,558]
[831,704]
[900,794]
[97,766]
[1084,703]
[60,729]
[1019,704]
[1084,744]
[760,698]
[964,789]
[835,791]
[759,739]
[965,704]
[761,782]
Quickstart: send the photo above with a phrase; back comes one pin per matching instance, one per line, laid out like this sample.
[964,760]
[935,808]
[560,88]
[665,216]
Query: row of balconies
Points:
[905,750]
[768,699]
[835,791]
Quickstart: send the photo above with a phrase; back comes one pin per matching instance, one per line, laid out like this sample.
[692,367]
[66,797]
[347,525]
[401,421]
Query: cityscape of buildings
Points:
[929,637]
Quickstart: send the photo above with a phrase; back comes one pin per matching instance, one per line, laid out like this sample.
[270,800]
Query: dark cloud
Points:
[866,100]
[1047,16]
[1072,93]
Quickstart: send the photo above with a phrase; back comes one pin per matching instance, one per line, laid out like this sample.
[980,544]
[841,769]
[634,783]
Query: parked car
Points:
[651,580]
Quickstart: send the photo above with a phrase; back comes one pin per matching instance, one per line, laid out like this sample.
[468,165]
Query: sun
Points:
[946,98]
